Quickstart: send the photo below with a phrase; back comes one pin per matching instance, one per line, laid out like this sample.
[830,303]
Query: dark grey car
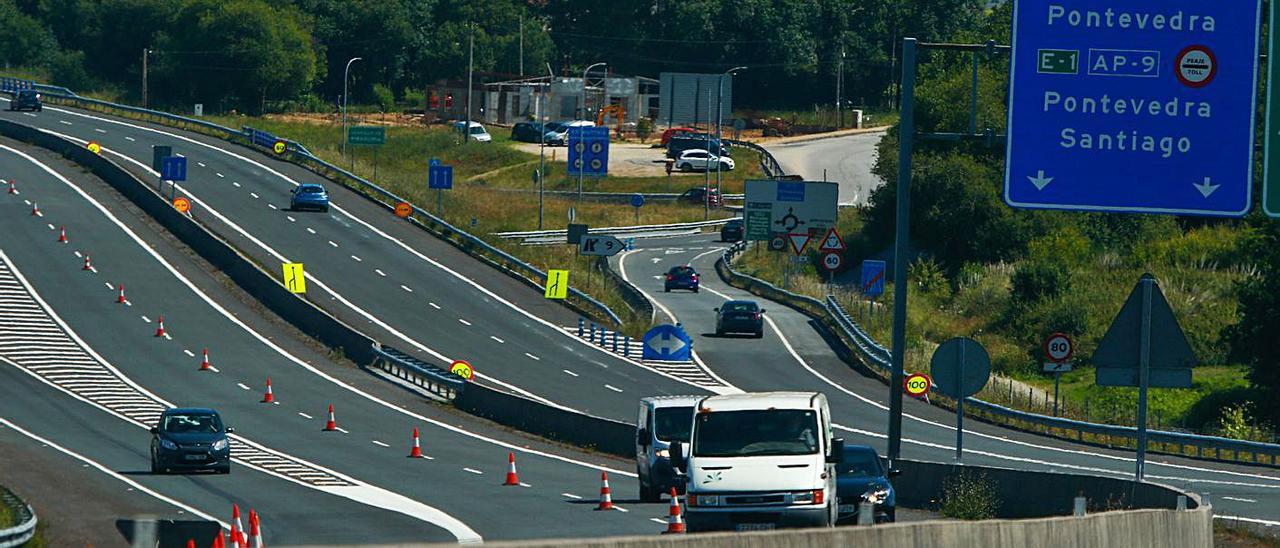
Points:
[740,317]
[190,439]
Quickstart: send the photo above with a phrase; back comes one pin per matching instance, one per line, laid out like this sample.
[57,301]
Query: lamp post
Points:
[344,102]
[719,113]
[584,115]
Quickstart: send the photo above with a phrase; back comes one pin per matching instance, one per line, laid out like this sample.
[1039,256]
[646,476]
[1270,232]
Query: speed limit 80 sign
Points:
[1058,347]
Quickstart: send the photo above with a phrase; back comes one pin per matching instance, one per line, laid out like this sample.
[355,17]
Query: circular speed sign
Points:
[916,385]
[462,369]
[831,261]
[1058,347]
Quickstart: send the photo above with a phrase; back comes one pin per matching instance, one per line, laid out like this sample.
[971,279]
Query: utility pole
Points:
[839,85]
[471,58]
[581,165]
[145,51]
[521,44]
[719,115]
[706,169]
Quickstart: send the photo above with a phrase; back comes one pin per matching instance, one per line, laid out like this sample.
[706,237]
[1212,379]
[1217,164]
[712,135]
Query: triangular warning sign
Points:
[1171,357]
[798,242]
[832,242]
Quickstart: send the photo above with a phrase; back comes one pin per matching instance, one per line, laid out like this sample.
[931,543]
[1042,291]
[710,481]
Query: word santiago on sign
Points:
[789,207]
[1139,107]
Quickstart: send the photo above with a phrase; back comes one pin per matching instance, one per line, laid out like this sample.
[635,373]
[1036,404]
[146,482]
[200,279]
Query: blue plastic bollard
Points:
[581,325]
[615,342]
[592,337]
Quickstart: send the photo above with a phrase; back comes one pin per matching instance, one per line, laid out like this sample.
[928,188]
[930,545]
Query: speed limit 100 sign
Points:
[1058,348]
[916,385]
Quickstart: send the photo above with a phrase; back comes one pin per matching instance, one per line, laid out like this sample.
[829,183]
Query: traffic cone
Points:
[416,452]
[237,530]
[268,397]
[606,500]
[255,531]
[191,543]
[159,330]
[675,522]
[87,265]
[62,235]
[13,187]
[512,479]
[218,541]
[120,299]
[35,210]
[204,362]
[332,424]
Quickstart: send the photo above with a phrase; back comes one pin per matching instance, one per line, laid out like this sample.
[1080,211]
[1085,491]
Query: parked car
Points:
[740,317]
[190,439]
[681,277]
[699,159]
[662,420]
[528,132]
[477,131]
[682,143]
[675,131]
[557,134]
[862,477]
[26,99]
[309,196]
[699,195]
[733,231]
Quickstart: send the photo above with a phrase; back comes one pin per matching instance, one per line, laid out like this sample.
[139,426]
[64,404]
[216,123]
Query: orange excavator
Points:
[619,113]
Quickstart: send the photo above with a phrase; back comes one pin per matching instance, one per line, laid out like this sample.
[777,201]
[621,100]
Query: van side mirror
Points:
[677,455]
[837,451]
[717,309]
[642,437]
[154,430]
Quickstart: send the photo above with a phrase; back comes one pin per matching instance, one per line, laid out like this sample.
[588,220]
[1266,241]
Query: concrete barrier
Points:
[603,435]
[264,287]
[1128,529]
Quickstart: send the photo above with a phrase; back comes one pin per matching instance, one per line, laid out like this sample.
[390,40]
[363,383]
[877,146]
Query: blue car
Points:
[309,196]
[190,439]
[860,477]
[681,277]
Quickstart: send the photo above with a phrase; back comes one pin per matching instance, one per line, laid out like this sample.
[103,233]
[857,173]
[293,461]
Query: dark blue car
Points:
[681,277]
[26,99]
[190,439]
[860,477]
[309,196]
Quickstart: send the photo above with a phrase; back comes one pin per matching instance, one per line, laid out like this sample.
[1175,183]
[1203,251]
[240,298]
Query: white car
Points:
[478,133]
[699,159]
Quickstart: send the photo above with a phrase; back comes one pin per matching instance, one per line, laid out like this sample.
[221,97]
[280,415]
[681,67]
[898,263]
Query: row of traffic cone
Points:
[236,537]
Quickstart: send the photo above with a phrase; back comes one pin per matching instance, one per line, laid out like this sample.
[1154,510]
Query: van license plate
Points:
[754,527]
[194,457]
[848,508]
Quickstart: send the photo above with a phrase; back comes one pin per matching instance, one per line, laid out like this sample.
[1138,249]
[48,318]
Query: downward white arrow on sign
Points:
[1040,180]
[1207,187]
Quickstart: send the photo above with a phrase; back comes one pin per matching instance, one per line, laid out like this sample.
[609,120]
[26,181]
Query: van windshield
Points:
[673,423]
[756,433]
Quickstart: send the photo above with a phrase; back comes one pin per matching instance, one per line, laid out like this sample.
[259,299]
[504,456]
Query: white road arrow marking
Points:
[1040,180]
[1207,187]
[656,260]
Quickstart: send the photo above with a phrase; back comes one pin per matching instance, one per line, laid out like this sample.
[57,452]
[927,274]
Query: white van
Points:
[760,461]
[478,132]
[662,420]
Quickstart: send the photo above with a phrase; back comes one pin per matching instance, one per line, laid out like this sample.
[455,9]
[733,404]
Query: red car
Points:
[668,134]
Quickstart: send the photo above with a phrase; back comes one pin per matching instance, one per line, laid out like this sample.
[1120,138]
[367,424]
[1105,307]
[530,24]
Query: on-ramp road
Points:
[846,160]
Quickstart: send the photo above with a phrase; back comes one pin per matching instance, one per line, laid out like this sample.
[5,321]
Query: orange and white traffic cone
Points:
[88,265]
[218,541]
[35,210]
[191,543]
[237,530]
[606,499]
[333,423]
[675,522]
[512,479]
[13,187]
[160,329]
[204,362]
[416,451]
[120,299]
[268,397]
[62,235]
[255,530]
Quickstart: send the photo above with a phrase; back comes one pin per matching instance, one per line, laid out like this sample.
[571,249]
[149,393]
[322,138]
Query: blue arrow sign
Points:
[637,200]
[667,343]
[589,150]
[440,176]
[1138,106]
[873,278]
[173,168]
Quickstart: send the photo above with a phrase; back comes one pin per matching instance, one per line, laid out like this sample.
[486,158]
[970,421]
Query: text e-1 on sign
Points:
[1140,106]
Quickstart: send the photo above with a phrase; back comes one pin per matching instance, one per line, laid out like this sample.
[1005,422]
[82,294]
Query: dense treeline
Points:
[245,53]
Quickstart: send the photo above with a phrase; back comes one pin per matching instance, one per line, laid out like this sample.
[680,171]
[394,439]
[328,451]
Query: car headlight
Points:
[876,495]
[168,445]
[705,500]
[220,444]
[663,453]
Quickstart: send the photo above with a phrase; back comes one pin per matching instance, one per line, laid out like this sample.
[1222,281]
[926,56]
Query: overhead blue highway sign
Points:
[1138,106]
[667,343]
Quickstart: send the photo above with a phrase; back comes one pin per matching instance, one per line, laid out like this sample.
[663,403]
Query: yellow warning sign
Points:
[279,147]
[94,147]
[557,284]
[462,369]
[294,278]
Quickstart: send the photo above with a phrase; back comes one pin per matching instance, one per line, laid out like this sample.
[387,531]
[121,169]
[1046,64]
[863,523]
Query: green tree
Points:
[1252,339]
[26,41]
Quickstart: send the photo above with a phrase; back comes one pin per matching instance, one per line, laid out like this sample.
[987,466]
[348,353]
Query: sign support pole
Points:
[440,202]
[960,409]
[901,242]
[1144,375]
[1057,378]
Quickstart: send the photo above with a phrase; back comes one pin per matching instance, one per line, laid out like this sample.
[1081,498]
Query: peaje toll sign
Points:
[1196,66]
[916,385]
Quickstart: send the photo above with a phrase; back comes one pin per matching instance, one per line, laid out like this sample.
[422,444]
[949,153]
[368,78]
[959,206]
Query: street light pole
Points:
[542,147]
[719,114]
[584,116]
[344,102]
[471,57]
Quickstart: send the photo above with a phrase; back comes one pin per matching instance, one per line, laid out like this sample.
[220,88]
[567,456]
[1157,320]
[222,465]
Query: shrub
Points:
[644,128]
[1036,280]
[1238,422]
[969,496]
[386,99]
[927,275]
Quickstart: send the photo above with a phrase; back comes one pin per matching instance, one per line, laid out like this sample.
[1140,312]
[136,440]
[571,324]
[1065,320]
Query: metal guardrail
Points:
[878,356]
[768,164]
[434,224]
[417,372]
[613,229]
[26,527]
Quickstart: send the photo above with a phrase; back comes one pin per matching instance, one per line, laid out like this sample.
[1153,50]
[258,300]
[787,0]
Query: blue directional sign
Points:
[589,151]
[173,168]
[637,200]
[873,278]
[440,176]
[667,343]
[1138,106]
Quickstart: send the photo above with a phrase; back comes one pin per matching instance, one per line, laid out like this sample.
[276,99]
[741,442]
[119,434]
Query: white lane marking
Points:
[571,495]
[380,272]
[523,484]
[658,521]
[99,130]
[357,259]
[406,288]
[108,284]
[434,305]
[272,206]
[1268,523]
[146,319]
[463,322]
[341,430]
[237,185]
[130,138]
[535,358]
[188,353]
[1237,499]
[332,244]
[64,122]
[613,388]
[220,176]
[31,114]
[51,227]
[500,341]
[311,230]
[78,255]
[201,164]
[376,442]
[571,373]
[304,415]
[254,194]
[243,385]
[90,463]
[291,219]
[620,509]
[473,471]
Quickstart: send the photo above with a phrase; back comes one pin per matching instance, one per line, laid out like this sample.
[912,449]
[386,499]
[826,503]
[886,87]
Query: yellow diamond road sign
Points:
[557,284]
[294,279]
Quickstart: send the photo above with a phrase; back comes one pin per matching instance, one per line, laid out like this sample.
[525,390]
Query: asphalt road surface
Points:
[846,160]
